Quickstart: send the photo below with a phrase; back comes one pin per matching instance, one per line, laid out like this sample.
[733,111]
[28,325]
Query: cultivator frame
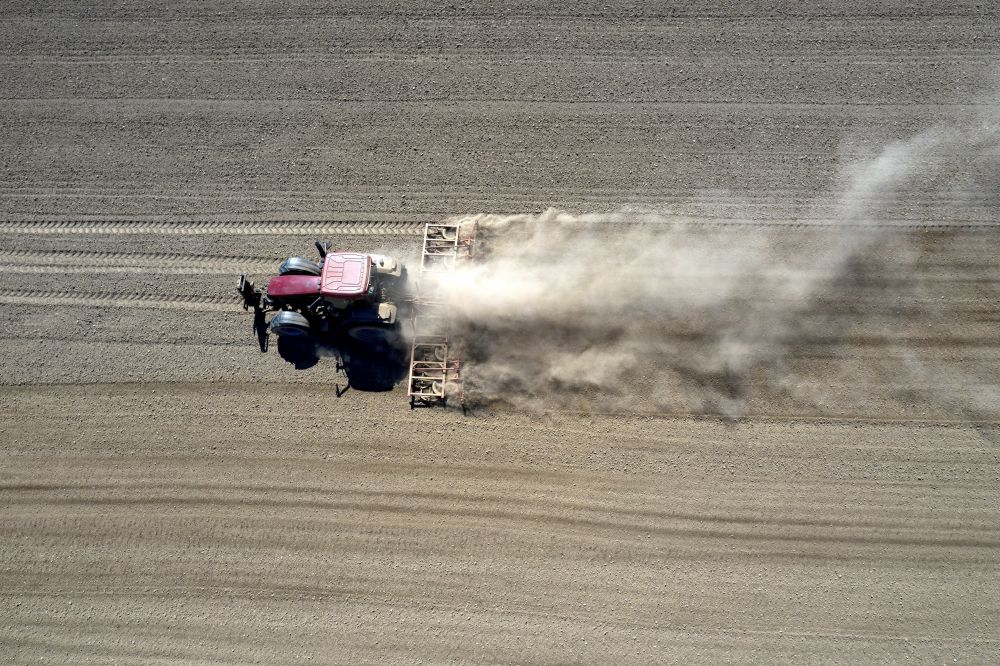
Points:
[435,357]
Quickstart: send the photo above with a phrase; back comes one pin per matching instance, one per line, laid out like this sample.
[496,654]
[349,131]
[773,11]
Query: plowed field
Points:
[170,493]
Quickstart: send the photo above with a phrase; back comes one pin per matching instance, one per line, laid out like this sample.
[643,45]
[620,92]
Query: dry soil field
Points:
[170,494]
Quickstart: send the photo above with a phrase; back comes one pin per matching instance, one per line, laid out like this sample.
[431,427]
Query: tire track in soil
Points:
[24,261]
[400,228]
[227,228]
[158,302]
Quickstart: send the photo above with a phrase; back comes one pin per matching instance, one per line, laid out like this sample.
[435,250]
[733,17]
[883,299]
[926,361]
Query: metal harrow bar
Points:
[435,359]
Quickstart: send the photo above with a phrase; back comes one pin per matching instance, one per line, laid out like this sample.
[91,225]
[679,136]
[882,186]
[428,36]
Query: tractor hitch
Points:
[251,295]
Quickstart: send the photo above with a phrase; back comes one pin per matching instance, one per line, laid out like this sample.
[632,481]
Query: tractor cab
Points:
[346,276]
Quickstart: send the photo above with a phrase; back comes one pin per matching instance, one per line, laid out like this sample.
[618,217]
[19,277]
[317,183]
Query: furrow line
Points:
[111,270]
[15,261]
[155,302]
[402,228]
[218,228]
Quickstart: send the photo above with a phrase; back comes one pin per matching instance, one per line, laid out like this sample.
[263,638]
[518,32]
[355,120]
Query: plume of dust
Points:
[642,310]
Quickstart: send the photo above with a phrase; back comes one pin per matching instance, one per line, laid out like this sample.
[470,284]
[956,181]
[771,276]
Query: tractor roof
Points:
[346,275]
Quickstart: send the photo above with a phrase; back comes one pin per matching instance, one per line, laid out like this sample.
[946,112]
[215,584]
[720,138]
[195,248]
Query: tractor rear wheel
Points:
[299,266]
[374,336]
[289,324]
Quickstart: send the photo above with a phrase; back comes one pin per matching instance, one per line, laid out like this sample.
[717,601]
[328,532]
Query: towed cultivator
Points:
[363,305]
[435,354]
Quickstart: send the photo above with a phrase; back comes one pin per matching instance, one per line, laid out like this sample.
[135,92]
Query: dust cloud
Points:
[656,311]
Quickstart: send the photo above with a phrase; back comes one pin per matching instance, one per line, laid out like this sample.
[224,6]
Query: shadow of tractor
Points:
[302,352]
[368,368]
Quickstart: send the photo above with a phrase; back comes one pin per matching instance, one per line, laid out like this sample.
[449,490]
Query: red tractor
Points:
[346,298]
[355,302]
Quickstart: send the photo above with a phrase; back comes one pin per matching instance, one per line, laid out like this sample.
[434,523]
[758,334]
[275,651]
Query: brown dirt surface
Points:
[170,494]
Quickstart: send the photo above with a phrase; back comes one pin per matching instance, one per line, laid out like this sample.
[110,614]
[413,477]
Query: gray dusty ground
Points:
[168,493]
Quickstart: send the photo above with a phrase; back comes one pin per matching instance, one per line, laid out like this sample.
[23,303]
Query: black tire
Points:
[299,266]
[289,324]
[373,355]
[374,336]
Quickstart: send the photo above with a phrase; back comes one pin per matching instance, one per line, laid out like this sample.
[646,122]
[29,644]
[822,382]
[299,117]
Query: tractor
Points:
[346,298]
[356,302]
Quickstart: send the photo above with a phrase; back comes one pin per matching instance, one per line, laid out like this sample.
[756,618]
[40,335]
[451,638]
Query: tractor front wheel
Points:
[289,324]
[299,266]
